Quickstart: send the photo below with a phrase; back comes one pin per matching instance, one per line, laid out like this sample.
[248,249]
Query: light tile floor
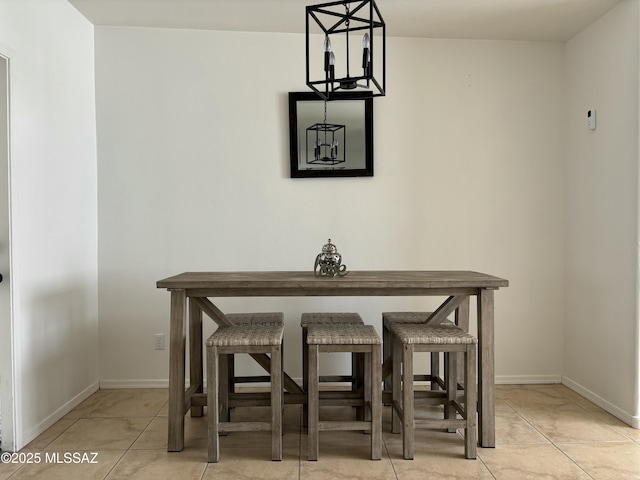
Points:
[543,432]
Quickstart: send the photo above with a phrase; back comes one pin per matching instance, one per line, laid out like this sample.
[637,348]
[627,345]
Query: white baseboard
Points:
[632,420]
[117,384]
[527,379]
[164,383]
[32,433]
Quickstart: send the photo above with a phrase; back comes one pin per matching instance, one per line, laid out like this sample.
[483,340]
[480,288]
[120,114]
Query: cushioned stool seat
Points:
[253,339]
[414,337]
[354,338]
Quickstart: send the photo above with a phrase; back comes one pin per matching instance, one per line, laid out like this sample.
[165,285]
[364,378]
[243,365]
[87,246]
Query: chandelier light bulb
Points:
[366,41]
[327,54]
[332,63]
[366,55]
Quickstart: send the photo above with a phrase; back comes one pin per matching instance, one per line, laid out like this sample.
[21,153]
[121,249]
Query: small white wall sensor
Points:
[591,119]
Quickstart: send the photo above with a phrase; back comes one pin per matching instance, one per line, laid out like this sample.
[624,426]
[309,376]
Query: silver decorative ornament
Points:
[329,262]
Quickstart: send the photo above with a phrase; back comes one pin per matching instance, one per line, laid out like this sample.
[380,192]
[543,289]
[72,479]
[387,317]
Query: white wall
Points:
[193,175]
[601,255]
[54,208]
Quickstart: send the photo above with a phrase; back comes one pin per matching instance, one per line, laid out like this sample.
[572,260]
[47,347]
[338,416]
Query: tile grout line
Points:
[523,414]
[594,415]
[128,449]
[552,442]
[115,465]
[386,449]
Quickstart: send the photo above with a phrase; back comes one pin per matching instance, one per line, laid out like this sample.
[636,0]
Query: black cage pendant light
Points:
[326,142]
[346,49]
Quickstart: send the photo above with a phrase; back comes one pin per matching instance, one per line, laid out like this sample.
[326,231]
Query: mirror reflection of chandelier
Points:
[326,142]
[338,64]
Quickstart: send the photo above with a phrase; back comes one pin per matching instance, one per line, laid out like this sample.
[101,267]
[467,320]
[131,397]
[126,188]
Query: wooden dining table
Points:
[190,298]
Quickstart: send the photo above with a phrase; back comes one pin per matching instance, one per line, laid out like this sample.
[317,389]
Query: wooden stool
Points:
[409,338]
[388,319]
[227,364]
[256,338]
[357,363]
[434,378]
[355,339]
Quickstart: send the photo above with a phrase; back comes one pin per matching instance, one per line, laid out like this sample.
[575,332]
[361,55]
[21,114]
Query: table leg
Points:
[177,345]
[195,352]
[462,320]
[313,403]
[486,373]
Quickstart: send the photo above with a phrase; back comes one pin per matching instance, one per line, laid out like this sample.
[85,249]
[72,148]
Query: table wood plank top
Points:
[300,283]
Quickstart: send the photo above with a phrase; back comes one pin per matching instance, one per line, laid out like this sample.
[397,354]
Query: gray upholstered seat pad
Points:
[247,335]
[410,317]
[251,318]
[342,334]
[415,333]
[329,317]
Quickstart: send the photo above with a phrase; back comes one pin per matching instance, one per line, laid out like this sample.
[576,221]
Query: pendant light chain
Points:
[325,121]
[347,22]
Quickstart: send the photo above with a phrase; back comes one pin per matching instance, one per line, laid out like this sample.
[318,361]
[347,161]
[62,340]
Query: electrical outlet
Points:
[158,341]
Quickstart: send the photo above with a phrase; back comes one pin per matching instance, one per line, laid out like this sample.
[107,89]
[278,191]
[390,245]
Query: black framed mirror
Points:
[330,139]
